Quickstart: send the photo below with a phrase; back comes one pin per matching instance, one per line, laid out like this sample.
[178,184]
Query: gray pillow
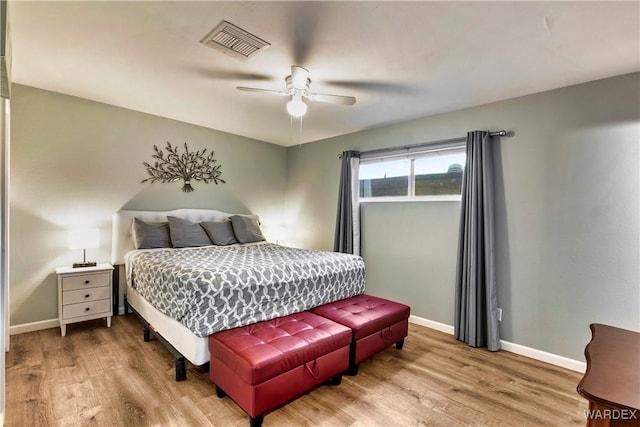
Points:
[150,235]
[220,233]
[246,229]
[187,234]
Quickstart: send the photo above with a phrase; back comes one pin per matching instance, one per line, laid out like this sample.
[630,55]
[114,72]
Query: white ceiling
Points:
[401,60]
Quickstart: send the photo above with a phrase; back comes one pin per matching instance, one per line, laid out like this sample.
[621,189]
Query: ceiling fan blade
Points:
[332,99]
[232,75]
[372,85]
[254,89]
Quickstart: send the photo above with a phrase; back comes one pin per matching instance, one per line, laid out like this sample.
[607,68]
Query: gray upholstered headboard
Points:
[122,236]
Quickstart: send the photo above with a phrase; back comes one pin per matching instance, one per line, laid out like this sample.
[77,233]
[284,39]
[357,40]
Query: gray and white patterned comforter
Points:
[212,288]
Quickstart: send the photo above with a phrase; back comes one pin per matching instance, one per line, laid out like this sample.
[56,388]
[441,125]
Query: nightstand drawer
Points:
[85,281]
[92,308]
[86,295]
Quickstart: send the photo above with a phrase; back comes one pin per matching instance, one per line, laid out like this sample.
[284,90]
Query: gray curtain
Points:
[345,232]
[476,321]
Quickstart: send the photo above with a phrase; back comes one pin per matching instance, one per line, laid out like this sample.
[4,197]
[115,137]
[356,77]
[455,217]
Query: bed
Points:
[182,295]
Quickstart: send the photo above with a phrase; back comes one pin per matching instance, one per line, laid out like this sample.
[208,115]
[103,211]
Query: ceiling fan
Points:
[297,87]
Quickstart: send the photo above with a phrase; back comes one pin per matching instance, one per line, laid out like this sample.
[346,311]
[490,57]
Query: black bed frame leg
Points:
[181,369]
[256,422]
[204,368]
[399,344]
[180,364]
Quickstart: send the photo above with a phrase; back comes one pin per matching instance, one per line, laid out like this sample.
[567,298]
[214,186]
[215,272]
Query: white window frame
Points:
[411,197]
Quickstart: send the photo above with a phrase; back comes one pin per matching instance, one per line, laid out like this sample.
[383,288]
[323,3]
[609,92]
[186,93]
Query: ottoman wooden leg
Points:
[399,344]
[353,369]
[335,380]
[256,422]
[220,392]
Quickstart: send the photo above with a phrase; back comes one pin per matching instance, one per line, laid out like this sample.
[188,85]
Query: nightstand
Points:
[83,294]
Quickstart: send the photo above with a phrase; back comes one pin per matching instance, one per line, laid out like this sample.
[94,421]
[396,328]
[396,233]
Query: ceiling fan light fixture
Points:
[296,107]
[297,87]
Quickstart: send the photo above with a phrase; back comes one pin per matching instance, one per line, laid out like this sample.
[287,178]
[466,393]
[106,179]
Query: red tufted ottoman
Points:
[376,323]
[268,364]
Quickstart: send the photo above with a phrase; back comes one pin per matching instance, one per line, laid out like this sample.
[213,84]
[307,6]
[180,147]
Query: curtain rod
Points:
[427,144]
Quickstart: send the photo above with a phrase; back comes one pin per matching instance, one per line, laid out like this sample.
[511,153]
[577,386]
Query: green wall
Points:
[567,202]
[567,213]
[75,162]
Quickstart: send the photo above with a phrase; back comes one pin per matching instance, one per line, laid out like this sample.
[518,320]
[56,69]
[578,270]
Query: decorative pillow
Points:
[186,234]
[246,229]
[220,233]
[149,235]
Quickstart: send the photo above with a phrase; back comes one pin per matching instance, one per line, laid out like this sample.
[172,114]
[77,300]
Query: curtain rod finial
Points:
[502,133]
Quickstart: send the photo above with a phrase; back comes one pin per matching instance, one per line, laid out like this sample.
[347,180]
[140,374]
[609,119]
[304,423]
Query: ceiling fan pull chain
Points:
[300,138]
[290,130]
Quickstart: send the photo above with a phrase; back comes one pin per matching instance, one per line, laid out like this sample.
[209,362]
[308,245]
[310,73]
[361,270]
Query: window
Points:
[433,175]
[384,178]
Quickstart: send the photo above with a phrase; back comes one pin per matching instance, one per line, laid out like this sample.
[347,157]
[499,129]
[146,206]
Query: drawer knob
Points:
[86,282]
[87,296]
[87,309]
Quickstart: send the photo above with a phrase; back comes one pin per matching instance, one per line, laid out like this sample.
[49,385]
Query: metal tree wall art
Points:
[188,166]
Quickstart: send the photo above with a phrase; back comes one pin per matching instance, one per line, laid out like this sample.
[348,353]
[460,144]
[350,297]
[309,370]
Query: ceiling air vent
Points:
[234,41]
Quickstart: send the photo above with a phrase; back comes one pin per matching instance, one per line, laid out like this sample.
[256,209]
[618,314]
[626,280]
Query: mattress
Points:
[213,288]
[194,349]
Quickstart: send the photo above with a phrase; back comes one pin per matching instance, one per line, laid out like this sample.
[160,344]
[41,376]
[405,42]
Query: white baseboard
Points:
[431,324]
[522,350]
[543,356]
[533,353]
[34,326]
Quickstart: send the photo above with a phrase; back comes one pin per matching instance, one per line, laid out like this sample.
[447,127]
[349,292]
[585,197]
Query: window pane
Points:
[384,179]
[439,174]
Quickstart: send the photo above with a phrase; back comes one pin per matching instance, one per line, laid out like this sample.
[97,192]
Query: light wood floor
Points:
[109,377]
